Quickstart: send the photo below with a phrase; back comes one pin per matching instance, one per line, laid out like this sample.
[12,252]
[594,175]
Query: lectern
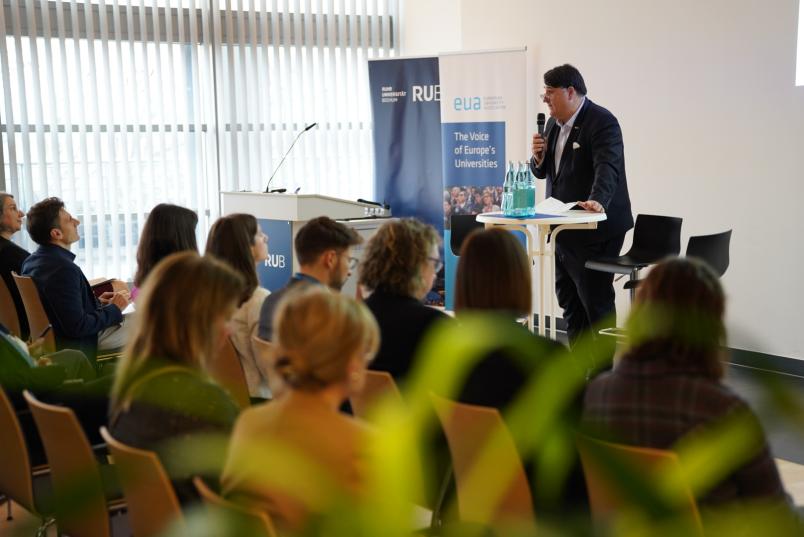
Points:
[282,215]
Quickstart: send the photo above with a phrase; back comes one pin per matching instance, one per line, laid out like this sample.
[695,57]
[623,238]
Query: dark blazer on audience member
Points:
[266,327]
[173,403]
[653,403]
[496,381]
[403,322]
[11,258]
[76,315]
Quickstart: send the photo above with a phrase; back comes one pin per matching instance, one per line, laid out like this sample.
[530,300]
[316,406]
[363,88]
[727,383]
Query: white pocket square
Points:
[576,145]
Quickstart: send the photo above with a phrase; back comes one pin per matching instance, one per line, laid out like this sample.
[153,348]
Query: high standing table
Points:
[543,224]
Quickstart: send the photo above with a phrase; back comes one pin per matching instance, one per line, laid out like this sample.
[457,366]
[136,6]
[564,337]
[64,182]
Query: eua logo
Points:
[466,103]
[426,93]
[275,261]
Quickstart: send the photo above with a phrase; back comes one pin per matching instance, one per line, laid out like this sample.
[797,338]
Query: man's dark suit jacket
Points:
[592,168]
[76,315]
[11,258]
[265,328]
[403,322]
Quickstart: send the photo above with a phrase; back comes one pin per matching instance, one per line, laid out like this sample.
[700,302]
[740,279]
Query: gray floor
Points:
[769,394]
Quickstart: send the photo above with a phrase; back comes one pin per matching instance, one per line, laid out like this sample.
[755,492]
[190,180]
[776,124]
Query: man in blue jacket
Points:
[80,320]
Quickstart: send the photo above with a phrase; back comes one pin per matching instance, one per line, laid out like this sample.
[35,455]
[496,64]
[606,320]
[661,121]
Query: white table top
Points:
[570,217]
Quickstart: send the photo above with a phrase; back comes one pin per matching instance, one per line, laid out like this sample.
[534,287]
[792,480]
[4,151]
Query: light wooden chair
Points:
[8,311]
[227,371]
[492,486]
[607,495]
[240,520]
[151,500]
[18,478]
[378,384]
[37,317]
[80,487]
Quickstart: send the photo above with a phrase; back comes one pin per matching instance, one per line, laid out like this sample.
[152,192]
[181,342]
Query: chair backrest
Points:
[606,493]
[461,225]
[16,481]
[8,310]
[245,520]
[37,318]
[227,371]
[491,483]
[150,498]
[378,384]
[655,237]
[79,500]
[713,249]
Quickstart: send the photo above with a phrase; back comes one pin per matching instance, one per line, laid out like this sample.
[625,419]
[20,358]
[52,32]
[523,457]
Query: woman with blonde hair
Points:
[162,396]
[238,241]
[299,456]
[399,266]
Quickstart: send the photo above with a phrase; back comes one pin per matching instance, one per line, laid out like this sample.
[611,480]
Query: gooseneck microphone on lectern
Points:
[268,186]
[540,123]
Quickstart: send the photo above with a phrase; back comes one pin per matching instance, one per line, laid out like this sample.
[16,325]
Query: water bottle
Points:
[529,189]
[519,191]
[508,190]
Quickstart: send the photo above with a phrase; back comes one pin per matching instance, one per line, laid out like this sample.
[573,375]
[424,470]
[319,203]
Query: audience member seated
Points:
[493,276]
[238,241]
[65,377]
[298,457]
[168,229]
[80,320]
[399,266]
[668,383]
[324,251]
[11,255]
[162,399]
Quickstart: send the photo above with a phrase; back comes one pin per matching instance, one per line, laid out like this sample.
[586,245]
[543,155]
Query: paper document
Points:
[554,206]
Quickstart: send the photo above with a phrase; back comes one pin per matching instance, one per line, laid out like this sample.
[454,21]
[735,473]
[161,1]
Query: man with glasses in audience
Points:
[581,156]
[324,251]
[80,320]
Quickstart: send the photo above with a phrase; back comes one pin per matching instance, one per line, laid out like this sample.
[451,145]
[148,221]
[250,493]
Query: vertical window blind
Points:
[118,105]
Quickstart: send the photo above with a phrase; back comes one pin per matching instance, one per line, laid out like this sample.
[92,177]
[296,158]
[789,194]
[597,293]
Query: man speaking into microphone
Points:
[580,154]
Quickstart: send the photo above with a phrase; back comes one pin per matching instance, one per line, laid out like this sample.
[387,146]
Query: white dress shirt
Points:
[563,134]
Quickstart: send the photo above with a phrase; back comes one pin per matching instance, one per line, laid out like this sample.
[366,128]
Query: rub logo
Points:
[426,93]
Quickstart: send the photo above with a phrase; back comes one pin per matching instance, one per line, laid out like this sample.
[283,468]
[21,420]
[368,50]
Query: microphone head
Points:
[540,122]
[310,126]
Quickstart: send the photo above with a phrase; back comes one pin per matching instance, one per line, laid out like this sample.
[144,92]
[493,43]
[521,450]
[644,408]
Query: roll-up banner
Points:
[407,141]
[483,125]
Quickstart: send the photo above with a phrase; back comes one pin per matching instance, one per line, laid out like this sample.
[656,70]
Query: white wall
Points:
[712,121]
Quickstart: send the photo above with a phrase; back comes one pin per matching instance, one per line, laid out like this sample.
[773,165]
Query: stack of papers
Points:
[553,206]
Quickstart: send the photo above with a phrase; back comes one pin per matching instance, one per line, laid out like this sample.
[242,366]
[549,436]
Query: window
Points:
[117,105]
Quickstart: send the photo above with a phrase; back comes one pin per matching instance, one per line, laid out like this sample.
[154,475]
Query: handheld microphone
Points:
[540,123]
[307,128]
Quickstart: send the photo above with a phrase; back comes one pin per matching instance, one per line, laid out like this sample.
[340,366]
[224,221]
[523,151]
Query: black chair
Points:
[712,249]
[461,225]
[655,237]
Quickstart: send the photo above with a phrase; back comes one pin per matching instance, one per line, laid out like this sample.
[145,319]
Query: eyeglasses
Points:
[353,261]
[549,92]
[437,263]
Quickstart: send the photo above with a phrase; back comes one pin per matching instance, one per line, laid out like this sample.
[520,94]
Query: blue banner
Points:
[405,97]
[275,272]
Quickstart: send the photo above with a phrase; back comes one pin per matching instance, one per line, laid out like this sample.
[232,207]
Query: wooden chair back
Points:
[34,310]
[79,500]
[227,371]
[244,520]
[491,482]
[151,500]
[378,384]
[606,493]
[8,310]
[16,473]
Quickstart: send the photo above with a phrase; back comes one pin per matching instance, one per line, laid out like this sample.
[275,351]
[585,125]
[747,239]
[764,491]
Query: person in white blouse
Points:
[238,240]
